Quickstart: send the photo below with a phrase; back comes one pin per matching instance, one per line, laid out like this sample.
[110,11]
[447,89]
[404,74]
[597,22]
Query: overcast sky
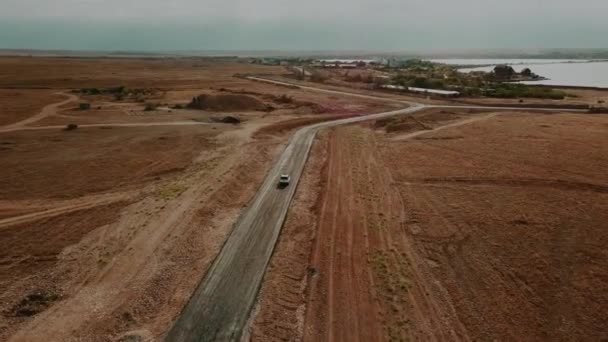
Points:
[311,24]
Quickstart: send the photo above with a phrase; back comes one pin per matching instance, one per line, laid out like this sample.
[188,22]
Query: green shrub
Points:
[318,77]
[506,90]
[150,107]
[71,127]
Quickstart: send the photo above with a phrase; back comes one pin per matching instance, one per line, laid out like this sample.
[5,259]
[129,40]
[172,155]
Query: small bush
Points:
[284,99]
[150,107]
[318,77]
[510,91]
[71,127]
[90,91]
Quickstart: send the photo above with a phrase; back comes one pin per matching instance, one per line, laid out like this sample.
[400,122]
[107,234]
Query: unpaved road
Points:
[46,111]
[220,307]
[80,204]
[51,110]
[451,125]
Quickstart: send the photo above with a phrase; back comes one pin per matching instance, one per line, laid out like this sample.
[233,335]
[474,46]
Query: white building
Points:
[425,91]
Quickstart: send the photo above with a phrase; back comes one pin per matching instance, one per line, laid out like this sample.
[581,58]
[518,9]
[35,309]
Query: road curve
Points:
[220,307]
[48,110]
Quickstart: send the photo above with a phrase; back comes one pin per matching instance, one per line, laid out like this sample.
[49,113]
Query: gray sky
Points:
[311,24]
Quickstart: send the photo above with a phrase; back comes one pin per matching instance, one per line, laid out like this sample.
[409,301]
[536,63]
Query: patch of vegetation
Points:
[419,64]
[171,191]
[358,78]
[98,91]
[318,77]
[70,127]
[391,279]
[511,90]
[34,303]
[407,80]
[150,107]
[429,75]
[284,99]
[120,92]
[225,102]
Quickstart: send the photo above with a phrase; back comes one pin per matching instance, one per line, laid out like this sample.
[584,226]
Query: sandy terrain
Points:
[488,229]
[108,229]
[19,104]
[158,225]
[112,225]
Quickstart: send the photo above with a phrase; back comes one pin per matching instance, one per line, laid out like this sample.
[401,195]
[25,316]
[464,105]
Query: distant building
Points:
[340,63]
[425,91]
[445,93]
[394,87]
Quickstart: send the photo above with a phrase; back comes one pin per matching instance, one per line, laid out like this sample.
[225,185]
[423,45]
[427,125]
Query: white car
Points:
[284,180]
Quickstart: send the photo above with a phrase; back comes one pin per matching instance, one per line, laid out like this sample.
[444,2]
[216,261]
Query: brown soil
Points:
[106,231]
[126,268]
[488,230]
[170,74]
[19,104]
[111,158]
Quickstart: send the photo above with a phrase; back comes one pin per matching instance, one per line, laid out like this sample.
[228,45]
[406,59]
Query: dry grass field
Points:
[108,228]
[492,228]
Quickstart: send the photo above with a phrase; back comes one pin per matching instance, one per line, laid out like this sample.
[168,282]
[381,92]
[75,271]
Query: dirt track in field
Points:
[47,111]
[112,225]
[487,230]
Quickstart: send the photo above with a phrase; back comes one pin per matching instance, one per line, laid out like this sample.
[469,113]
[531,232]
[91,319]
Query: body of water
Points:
[579,73]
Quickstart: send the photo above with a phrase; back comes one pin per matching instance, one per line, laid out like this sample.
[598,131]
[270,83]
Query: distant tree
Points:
[420,82]
[526,72]
[318,77]
[504,71]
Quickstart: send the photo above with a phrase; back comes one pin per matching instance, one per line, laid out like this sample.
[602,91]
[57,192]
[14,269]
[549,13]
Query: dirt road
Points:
[46,111]
[221,305]
[452,125]
[52,109]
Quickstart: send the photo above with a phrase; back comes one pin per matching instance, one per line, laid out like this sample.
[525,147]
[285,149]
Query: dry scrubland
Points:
[107,229]
[446,224]
[490,229]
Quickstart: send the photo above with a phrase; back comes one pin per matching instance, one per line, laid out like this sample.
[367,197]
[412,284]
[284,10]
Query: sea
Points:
[561,72]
